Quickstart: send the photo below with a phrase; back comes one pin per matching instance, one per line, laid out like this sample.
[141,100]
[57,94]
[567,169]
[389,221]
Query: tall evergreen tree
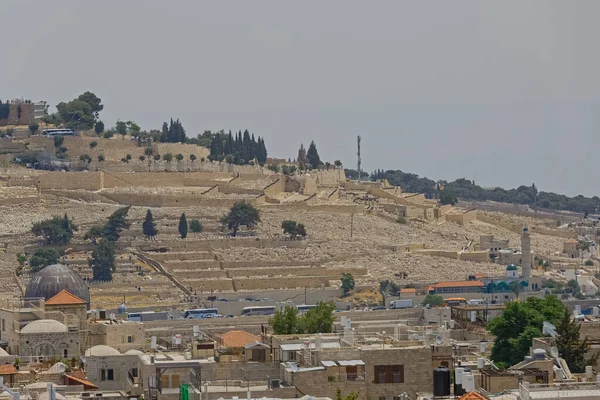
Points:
[183,226]
[103,260]
[302,159]
[569,345]
[149,227]
[313,155]
[164,134]
[116,223]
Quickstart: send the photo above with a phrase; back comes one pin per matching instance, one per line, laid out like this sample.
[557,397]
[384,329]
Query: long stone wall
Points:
[70,180]
[280,283]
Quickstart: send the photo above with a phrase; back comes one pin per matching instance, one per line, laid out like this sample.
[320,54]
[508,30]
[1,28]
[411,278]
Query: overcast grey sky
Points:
[503,92]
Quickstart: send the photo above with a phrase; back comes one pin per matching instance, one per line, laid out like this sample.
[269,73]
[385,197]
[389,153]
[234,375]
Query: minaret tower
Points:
[526,253]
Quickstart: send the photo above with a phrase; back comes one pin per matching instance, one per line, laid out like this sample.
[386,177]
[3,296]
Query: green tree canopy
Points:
[241,214]
[183,226]
[76,114]
[347,283]
[94,233]
[99,127]
[56,231]
[173,132]
[519,324]
[388,287]
[570,346]
[434,300]
[149,226]
[448,197]
[293,229]
[103,260]
[33,127]
[196,226]
[43,257]
[93,101]
[313,155]
[316,320]
[116,224]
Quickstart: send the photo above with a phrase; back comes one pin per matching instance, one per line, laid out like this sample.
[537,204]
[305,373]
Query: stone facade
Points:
[124,336]
[385,374]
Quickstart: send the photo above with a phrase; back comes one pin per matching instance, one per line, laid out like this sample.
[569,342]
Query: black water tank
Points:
[441,382]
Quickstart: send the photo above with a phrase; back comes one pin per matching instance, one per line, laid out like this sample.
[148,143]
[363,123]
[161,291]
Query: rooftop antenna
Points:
[358,154]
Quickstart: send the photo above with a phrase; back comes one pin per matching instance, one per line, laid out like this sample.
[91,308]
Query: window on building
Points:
[134,372]
[65,353]
[389,374]
[129,339]
[107,375]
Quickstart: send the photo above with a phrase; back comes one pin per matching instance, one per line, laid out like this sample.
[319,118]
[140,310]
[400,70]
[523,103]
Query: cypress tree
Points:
[164,135]
[183,226]
[149,227]
[313,155]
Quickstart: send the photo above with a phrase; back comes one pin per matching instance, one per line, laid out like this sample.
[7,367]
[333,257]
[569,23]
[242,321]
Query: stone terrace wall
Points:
[175,200]
[70,180]
[165,179]
[280,283]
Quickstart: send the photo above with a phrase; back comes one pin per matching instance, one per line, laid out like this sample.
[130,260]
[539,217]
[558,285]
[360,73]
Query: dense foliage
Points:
[241,214]
[434,300]
[196,226]
[183,226]
[173,132]
[238,149]
[57,230]
[519,324]
[347,281]
[316,320]
[293,229]
[313,155]
[569,345]
[149,226]
[43,257]
[388,287]
[116,223]
[465,189]
[103,260]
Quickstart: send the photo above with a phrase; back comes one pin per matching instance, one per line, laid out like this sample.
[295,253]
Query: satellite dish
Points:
[438,339]
[554,352]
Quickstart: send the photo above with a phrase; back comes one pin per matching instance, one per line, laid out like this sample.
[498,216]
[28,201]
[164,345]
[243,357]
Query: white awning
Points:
[329,363]
[351,363]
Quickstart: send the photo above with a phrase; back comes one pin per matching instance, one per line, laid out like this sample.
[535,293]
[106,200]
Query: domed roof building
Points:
[53,279]
[44,326]
[102,351]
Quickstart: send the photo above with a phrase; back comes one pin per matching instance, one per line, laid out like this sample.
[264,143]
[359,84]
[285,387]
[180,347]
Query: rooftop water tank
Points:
[441,382]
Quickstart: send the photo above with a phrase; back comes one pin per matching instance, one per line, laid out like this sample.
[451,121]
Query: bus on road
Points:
[200,313]
[265,310]
[145,316]
[57,132]
[305,307]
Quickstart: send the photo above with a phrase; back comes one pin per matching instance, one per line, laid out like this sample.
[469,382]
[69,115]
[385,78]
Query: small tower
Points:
[526,253]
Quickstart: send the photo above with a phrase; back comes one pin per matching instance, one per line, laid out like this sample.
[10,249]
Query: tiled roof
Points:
[408,290]
[572,241]
[7,369]
[237,339]
[86,384]
[65,298]
[472,396]
[458,284]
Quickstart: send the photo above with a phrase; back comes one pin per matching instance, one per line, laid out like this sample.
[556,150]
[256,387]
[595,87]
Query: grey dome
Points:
[53,279]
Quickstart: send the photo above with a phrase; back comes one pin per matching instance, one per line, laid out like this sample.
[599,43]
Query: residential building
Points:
[472,286]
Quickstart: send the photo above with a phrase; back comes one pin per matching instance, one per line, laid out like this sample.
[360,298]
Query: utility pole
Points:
[358,139]
[351,224]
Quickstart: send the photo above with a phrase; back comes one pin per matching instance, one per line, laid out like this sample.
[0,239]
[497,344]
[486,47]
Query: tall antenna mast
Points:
[358,154]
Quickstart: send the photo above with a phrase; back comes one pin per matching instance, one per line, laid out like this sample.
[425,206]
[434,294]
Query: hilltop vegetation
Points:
[465,189]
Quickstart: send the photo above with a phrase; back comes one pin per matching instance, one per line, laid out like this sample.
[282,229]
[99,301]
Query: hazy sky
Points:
[503,92]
